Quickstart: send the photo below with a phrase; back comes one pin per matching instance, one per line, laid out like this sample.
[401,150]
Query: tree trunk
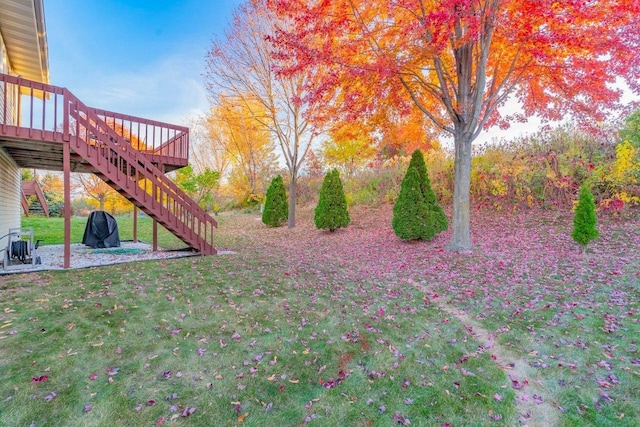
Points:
[292,201]
[461,238]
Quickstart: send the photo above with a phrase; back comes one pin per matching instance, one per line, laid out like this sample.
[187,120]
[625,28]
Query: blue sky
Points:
[139,57]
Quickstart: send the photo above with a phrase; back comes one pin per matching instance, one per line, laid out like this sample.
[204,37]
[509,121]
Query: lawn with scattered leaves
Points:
[51,230]
[346,328]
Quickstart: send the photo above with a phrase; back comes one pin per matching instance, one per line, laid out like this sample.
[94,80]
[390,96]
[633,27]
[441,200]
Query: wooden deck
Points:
[56,131]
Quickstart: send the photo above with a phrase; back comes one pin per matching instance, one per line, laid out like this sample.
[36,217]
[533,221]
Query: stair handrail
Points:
[180,133]
[156,175]
[113,141]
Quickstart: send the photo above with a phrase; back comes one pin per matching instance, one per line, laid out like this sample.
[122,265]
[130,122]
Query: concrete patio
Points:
[82,256]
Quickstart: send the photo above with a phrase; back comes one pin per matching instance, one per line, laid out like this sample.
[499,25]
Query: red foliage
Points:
[553,56]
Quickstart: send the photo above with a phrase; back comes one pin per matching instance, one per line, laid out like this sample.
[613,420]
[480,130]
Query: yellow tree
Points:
[235,130]
[240,65]
[96,189]
[52,183]
[349,149]
[52,187]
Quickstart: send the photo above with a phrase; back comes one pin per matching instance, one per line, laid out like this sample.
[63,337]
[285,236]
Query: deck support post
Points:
[155,235]
[66,169]
[135,224]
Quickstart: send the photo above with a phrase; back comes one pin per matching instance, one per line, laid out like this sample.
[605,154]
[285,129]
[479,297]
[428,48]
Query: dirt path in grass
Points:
[534,403]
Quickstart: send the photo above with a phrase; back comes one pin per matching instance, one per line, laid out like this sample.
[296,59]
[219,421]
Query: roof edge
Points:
[43,47]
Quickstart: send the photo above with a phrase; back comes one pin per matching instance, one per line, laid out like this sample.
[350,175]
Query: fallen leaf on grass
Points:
[518,384]
[467,373]
[188,411]
[40,379]
[401,419]
[242,417]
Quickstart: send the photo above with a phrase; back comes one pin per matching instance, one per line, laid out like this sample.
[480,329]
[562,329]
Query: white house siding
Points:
[9,171]
[5,68]
[9,195]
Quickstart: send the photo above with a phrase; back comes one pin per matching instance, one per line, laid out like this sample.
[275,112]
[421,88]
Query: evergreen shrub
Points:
[331,212]
[437,219]
[410,212]
[585,220]
[276,206]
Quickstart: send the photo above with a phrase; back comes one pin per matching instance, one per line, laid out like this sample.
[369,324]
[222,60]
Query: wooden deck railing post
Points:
[65,115]
[155,235]
[135,224]
[66,166]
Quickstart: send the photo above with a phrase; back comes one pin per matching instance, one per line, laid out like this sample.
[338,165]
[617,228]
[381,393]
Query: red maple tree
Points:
[458,61]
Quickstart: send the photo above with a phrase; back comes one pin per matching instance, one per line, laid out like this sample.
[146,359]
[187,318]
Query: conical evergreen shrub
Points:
[585,220]
[410,212]
[276,206]
[331,212]
[437,218]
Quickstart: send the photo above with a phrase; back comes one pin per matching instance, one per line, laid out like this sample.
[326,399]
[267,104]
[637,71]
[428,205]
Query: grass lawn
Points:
[51,230]
[347,328]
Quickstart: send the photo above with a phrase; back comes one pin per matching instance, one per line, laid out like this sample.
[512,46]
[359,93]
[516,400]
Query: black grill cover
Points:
[101,231]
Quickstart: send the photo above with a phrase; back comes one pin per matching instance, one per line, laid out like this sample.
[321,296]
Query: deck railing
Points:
[42,113]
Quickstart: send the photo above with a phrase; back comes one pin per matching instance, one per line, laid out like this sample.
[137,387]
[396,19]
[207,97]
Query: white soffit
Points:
[23,29]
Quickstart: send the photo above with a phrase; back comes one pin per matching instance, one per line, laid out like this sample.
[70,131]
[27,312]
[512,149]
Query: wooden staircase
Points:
[39,206]
[119,149]
[132,174]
